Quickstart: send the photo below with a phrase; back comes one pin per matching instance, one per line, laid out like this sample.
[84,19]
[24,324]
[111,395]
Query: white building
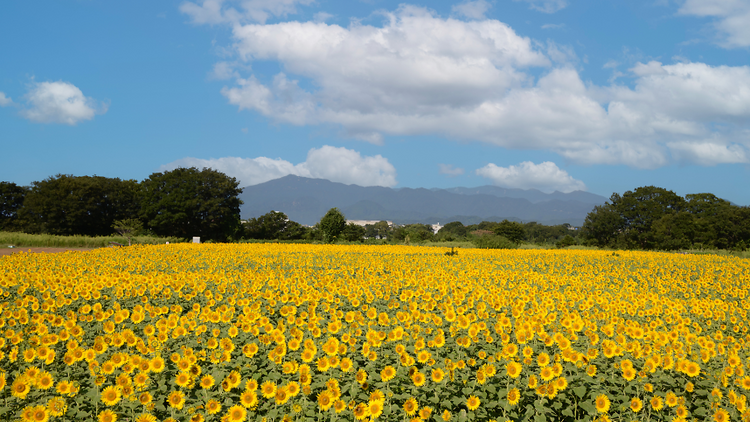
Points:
[366,222]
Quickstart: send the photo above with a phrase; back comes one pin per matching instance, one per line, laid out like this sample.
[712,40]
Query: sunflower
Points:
[292,389]
[339,406]
[514,396]
[213,407]
[446,415]
[533,382]
[721,415]
[361,411]
[410,406]
[547,373]
[323,364]
[346,364]
[418,378]
[140,379]
[437,375]
[375,409]
[107,416]
[57,406]
[513,369]
[692,369]
[268,389]
[145,398]
[388,373]
[249,399]
[111,395]
[425,413]
[602,403]
[473,402]
[207,382]
[20,388]
[591,370]
[657,403]
[636,404]
[325,401]
[176,399]
[236,413]
[182,379]
[157,364]
[145,417]
[39,414]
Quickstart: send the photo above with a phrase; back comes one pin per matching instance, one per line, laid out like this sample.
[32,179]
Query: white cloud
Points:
[708,153]
[60,102]
[731,19]
[420,74]
[5,101]
[472,9]
[239,11]
[322,16]
[331,163]
[546,177]
[449,170]
[223,71]
[546,6]
[553,26]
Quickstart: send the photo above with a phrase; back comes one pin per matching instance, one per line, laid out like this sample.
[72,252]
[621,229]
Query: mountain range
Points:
[306,200]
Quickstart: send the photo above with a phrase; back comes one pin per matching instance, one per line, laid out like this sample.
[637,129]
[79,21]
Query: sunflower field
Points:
[227,332]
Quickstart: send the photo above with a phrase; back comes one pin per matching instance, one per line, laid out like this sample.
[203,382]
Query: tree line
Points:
[188,202]
[655,218]
[184,202]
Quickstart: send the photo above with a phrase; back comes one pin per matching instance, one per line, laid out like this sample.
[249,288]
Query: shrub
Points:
[493,242]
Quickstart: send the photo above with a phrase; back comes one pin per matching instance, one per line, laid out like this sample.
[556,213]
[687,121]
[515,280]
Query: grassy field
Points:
[279,332]
[46,240]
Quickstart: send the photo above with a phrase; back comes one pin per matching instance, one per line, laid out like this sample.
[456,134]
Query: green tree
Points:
[353,233]
[452,231]
[674,231]
[332,224]
[274,225]
[11,201]
[128,228]
[188,202]
[85,205]
[379,230]
[642,207]
[511,230]
[603,226]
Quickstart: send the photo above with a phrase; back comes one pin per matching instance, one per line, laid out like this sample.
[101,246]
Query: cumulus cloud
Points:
[708,153]
[335,164]
[238,11]
[472,9]
[421,74]
[545,176]
[730,22]
[449,170]
[5,101]
[60,102]
[546,6]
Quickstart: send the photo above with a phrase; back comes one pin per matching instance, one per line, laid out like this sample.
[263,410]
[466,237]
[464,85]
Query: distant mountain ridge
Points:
[306,200]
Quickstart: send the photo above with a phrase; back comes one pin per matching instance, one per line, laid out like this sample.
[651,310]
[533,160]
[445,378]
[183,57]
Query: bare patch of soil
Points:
[8,251]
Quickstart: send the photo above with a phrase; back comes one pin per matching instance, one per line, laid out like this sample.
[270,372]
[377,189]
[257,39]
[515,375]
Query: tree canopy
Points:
[188,202]
[85,205]
[332,224]
[11,201]
[656,218]
[274,225]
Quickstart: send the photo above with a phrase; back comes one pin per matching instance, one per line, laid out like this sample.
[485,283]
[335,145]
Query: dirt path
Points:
[8,251]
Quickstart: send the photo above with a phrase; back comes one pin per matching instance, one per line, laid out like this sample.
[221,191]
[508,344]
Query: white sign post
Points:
[196,239]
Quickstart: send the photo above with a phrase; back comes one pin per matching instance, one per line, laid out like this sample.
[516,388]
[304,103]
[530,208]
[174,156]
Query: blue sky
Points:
[603,96]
